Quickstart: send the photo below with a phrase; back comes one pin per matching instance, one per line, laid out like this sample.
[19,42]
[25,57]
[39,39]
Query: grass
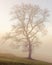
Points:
[21,61]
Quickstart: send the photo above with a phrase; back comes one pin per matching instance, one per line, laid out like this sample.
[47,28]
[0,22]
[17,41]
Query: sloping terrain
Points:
[10,59]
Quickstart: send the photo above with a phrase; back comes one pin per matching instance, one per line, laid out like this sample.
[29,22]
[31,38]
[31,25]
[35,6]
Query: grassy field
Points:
[21,61]
[12,60]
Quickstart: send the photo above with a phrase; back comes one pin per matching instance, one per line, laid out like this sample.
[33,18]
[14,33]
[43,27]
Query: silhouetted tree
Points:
[30,21]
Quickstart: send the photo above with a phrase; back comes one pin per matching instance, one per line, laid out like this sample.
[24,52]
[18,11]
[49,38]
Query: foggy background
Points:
[44,52]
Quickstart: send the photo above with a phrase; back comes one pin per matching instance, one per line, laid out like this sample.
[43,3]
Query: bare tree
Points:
[30,21]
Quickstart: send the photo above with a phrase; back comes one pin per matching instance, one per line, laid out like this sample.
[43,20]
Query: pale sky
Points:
[44,52]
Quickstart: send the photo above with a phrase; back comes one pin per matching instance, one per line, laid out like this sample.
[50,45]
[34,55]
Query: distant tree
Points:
[30,21]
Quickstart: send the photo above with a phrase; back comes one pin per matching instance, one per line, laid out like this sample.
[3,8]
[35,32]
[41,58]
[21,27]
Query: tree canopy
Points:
[30,21]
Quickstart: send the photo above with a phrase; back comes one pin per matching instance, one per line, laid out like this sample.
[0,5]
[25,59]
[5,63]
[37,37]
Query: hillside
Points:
[10,59]
[7,55]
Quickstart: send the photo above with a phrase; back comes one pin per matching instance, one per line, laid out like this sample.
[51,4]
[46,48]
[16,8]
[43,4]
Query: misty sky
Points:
[44,52]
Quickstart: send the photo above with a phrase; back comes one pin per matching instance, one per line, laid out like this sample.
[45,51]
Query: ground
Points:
[21,61]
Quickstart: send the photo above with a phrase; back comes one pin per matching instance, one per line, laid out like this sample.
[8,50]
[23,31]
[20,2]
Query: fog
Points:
[44,52]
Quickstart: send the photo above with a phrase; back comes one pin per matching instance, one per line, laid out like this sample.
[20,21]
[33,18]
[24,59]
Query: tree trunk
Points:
[30,52]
